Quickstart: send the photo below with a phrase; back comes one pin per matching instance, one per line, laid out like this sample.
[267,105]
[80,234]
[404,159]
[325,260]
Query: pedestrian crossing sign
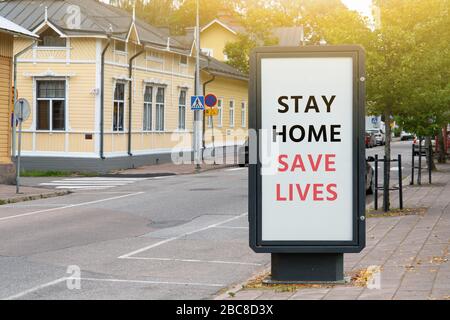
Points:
[197,103]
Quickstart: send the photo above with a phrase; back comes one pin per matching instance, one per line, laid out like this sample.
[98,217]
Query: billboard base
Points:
[307,268]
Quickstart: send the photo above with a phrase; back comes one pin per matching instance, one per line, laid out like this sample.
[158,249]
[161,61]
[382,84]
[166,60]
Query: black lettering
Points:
[317,135]
[312,104]
[282,133]
[335,133]
[328,102]
[291,133]
[283,104]
[297,99]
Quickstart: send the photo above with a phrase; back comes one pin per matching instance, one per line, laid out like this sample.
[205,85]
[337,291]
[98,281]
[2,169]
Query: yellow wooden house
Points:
[9,31]
[109,91]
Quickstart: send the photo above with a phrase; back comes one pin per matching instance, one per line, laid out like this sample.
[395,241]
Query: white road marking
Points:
[197,261]
[69,206]
[128,255]
[235,169]
[57,281]
[90,183]
[229,227]
[42,286]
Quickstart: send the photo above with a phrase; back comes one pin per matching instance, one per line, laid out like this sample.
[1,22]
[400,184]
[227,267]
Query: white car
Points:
[406,136]
[380,137]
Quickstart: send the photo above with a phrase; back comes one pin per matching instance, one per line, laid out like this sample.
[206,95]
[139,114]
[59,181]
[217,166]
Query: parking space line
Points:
[230,227]
[57,281]
[42,286]
[128,255]
[197,261]
[69,206]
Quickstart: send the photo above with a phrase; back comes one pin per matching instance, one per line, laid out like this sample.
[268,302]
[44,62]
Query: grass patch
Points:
[396,212]
[51,173]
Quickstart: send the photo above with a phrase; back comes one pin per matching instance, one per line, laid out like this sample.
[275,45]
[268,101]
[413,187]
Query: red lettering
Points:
[298,163]
[303,194]
[283,163]
[331,189]
[329,162]
[279,197]
[317,192]
[314,165]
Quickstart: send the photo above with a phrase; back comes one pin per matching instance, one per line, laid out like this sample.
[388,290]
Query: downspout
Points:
[102,100]
[130,97]
[204,117]
[13,127]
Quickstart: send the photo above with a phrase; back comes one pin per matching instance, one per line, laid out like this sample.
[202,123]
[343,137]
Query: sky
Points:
[362,6]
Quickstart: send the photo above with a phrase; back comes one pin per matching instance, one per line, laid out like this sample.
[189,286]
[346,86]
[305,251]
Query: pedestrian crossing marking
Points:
[90,183]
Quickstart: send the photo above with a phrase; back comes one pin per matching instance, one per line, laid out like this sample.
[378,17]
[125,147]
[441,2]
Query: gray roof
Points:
[96,19]
[288,36]
[218,68]
[11,27]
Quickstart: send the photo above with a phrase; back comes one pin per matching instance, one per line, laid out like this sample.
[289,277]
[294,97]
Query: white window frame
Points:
[220,115]
[184,64]
[160,123]
[243,114]
[120,51]
[231,113]
[149,106]
[123,105]
[50,105]
[182,108]
[154,56]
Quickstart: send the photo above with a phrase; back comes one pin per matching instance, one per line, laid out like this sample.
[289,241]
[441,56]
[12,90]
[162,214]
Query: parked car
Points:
[380,137]
[405,136]
[370,174]
[424,150]
[370,140]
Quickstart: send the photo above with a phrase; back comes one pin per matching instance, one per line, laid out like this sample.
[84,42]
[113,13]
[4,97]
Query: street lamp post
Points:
[197,113]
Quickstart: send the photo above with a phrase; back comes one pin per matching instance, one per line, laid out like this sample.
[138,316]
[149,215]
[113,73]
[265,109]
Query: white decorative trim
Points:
[220,23]
[52,26]
[49,74]
[124,65]
[122,78]
[34,60]
[156,82]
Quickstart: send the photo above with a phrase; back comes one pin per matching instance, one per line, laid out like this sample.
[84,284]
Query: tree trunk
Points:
[429,146]
[441,146]
[387,164]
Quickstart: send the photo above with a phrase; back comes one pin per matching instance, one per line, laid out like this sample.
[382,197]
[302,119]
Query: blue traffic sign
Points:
[197,103]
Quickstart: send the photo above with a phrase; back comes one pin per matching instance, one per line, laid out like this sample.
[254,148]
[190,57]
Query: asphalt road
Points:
[176,237]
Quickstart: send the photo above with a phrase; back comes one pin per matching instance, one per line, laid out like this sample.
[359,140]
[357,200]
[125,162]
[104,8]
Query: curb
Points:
[34,197]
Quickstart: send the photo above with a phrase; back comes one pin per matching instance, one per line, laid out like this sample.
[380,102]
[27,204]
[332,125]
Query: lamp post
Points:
[197,113]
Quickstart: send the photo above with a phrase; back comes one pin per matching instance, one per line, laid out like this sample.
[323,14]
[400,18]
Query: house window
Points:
[50,38]
[148,99]
[231,114]
[51,105]
[154,56]
[243,115]
[160,109]
[220,115]
[119,107]
[182,110]
[184,60]
[120,46]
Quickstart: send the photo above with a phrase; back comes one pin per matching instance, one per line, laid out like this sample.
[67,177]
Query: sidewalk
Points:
[410,249]
[175,169]
[8,194]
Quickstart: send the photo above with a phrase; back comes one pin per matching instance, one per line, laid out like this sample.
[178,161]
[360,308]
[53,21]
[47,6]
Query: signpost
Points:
[306,191]
[21,113]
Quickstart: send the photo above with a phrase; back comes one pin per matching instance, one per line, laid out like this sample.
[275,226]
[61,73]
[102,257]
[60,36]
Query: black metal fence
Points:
[377,187]
[420,153]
